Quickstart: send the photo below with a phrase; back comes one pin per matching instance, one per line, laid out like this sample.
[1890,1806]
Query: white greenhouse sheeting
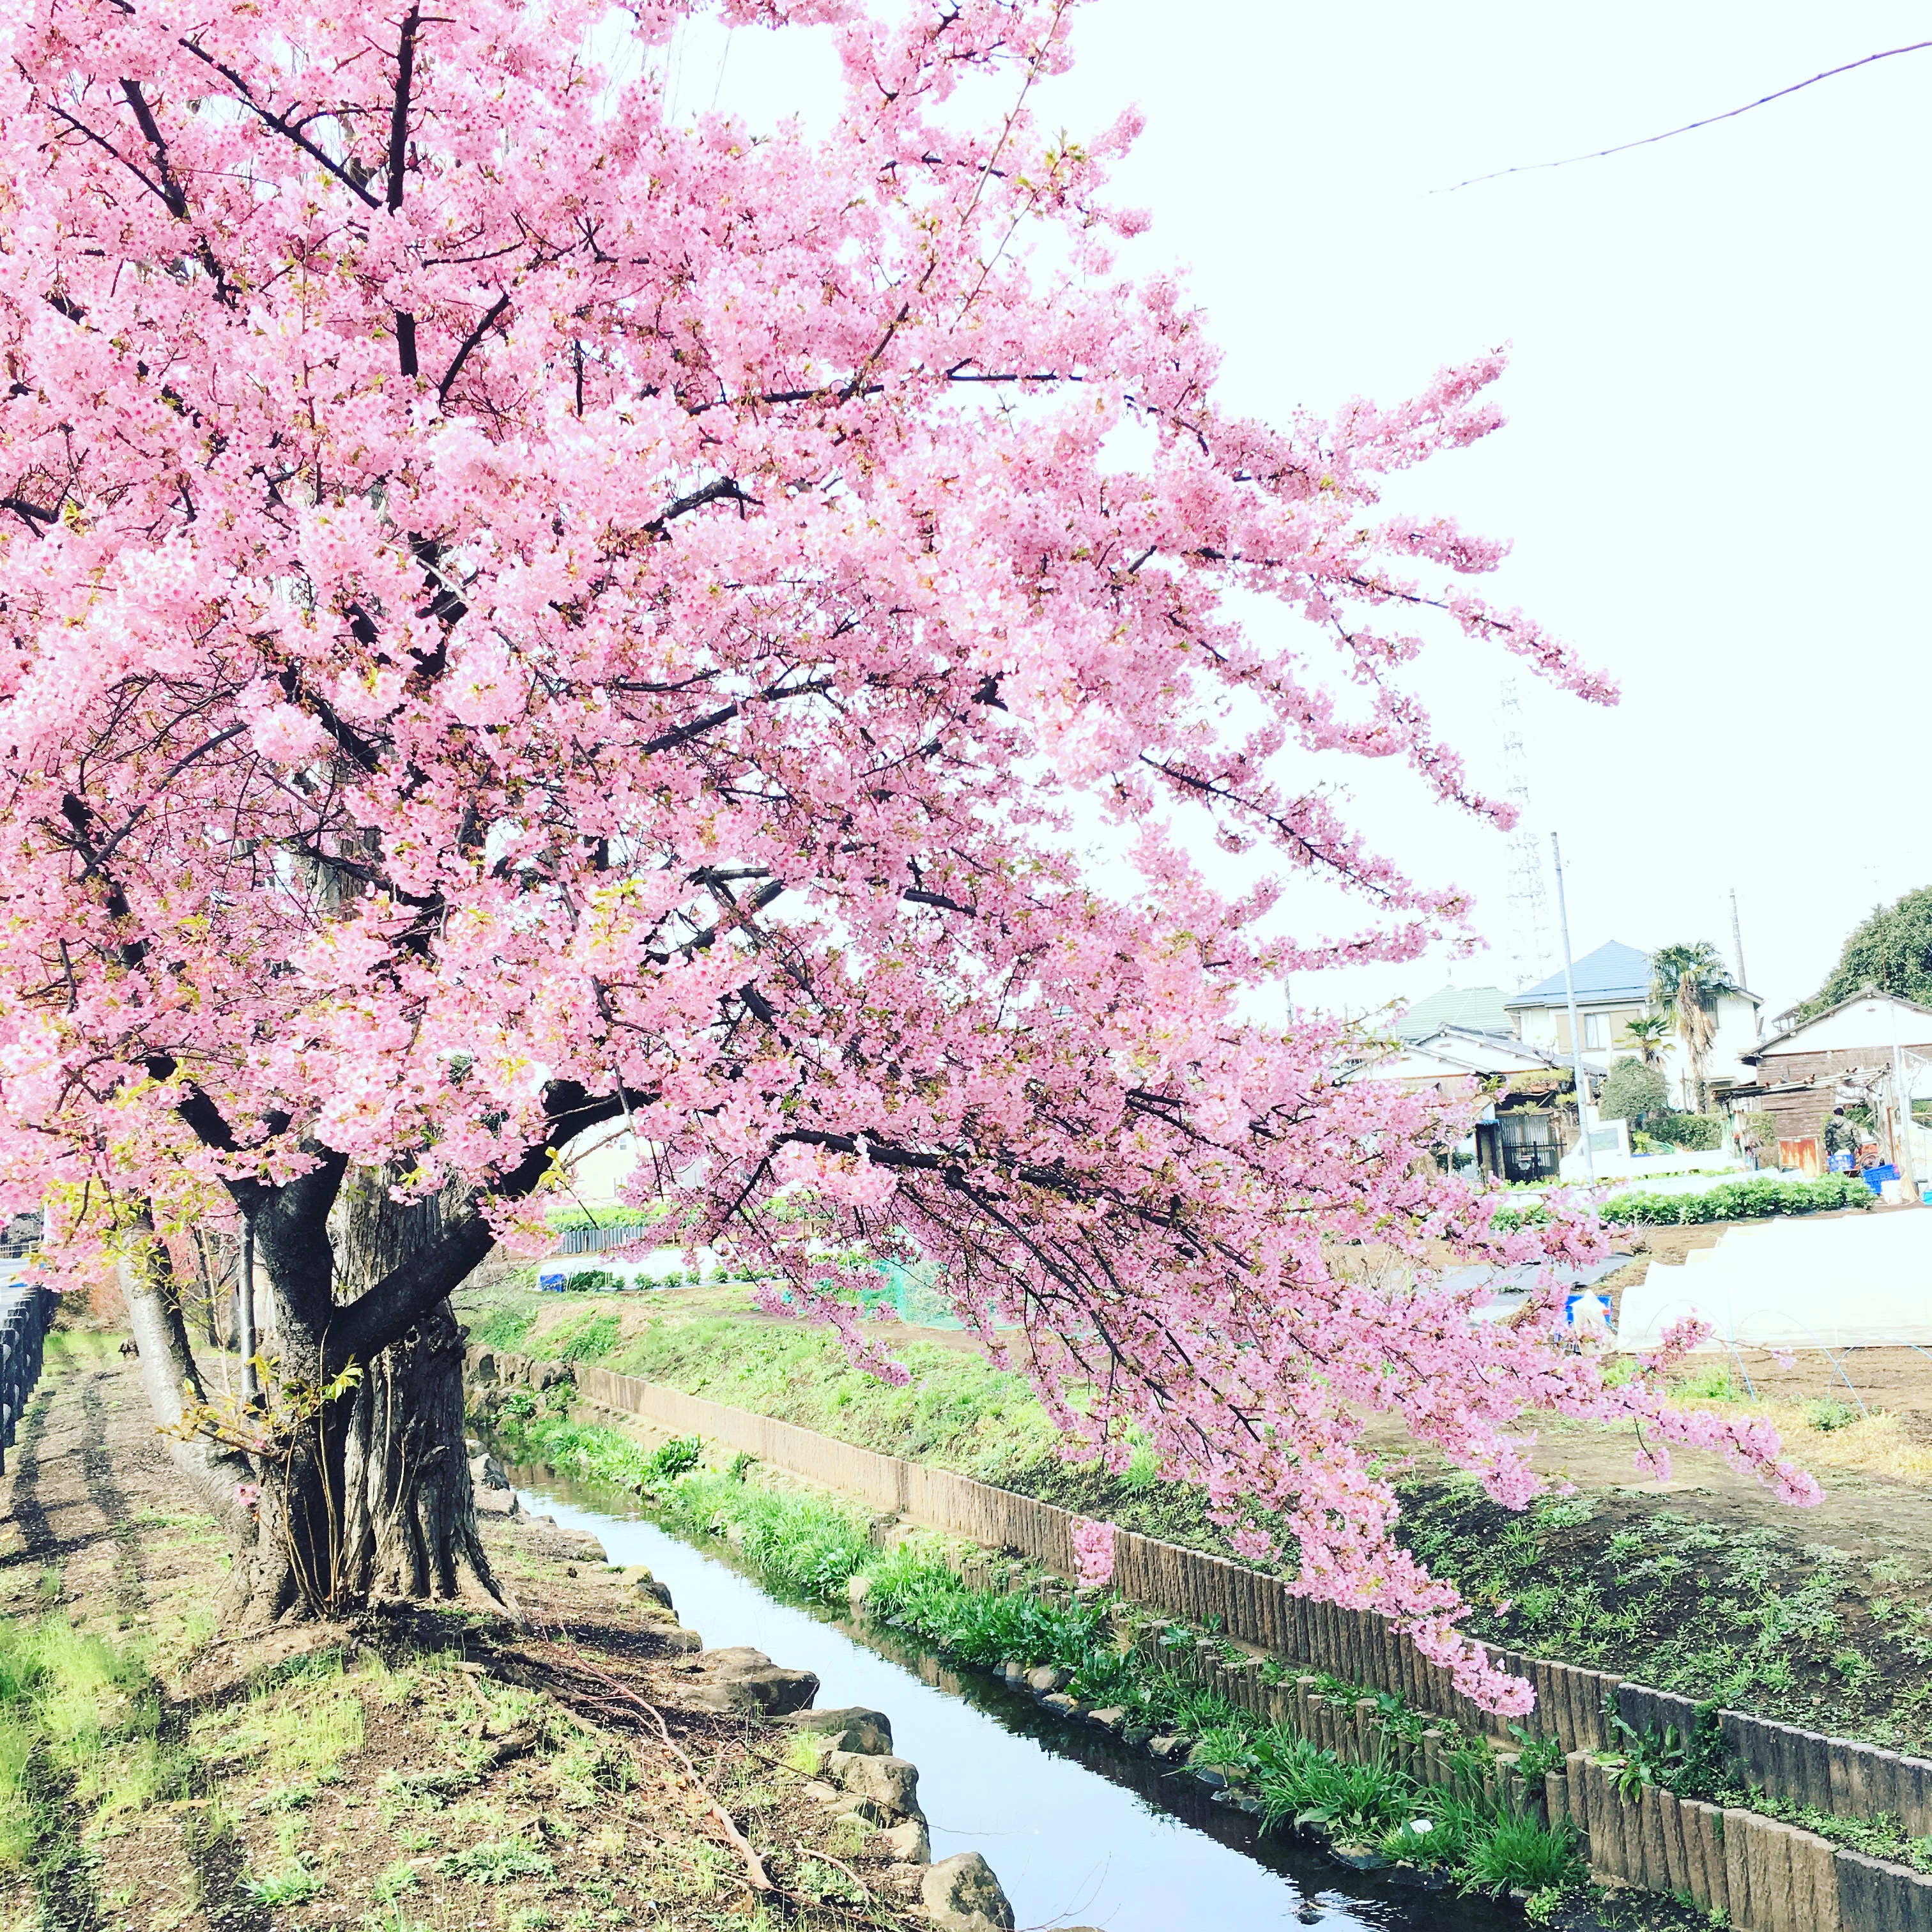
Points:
[1861,1281]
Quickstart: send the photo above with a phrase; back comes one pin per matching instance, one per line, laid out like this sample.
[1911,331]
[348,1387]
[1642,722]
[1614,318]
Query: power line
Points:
[1689,127]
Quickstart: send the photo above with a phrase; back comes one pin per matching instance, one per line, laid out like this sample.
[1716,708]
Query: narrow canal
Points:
[1082,1831]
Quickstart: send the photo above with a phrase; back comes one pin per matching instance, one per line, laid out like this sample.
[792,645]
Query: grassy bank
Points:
[416,1772]
[813,1546]
[957,1410]
[1803,1631]
[1753,1607]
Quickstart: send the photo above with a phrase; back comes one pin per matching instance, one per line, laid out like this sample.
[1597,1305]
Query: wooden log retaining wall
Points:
[1759,1874]
[1793,1871]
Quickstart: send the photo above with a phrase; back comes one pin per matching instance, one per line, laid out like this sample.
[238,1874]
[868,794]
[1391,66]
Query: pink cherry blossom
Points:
[568,612]
[1093,1553]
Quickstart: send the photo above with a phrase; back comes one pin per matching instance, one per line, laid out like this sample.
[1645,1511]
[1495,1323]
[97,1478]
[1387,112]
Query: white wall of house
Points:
[600,1159]
[1605,1041]
[1603,1020]
[1866,1023]
[1737,1035]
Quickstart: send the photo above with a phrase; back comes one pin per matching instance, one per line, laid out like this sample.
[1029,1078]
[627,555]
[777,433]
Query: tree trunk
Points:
[371,1498]
[409,1519]
[410,1529]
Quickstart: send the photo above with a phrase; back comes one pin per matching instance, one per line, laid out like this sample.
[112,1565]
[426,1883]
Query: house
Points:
[1458,1059]
[1612,986]
[1800,1074]
[1471,1008]
[1529,1114]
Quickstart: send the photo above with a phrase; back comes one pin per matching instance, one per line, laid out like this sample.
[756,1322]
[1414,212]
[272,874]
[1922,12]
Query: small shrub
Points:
[1439,1832]
[1854,1668]
[392,1881]
[1632,1091]
[295,1885]
[673,1459]
[1825,1413]
[1361,1802]
[1692,1764]
[1225,1746]
[1537,1755]
[1714,1382]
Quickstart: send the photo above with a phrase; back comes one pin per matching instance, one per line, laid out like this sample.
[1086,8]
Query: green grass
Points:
[958,1411]
[294,1884]
[1520,1854]
[86,1712]
[496,1862]
[532,1434]
[589,1338]
[808,1544]
[502,1327]
[1360,1803]
[300,1724]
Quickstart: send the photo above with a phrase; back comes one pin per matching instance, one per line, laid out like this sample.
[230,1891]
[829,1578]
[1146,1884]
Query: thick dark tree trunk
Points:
[409,1515]
[410,1529]
[373,1501]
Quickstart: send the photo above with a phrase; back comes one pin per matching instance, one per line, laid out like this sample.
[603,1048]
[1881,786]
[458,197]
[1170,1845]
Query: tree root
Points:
[755,1874]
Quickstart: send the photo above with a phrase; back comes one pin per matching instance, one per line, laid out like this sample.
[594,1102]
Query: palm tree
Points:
[1685,984]
[1646,1033]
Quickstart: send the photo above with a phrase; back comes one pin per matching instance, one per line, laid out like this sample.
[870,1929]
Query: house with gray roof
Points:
[1613,988]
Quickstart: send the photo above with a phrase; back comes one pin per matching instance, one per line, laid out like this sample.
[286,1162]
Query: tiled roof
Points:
[1614,971]
[1478,1008]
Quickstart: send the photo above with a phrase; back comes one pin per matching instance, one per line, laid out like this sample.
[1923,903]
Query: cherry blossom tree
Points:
[522,613]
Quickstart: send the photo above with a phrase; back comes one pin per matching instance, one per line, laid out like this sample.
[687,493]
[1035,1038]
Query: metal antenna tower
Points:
[1528,909]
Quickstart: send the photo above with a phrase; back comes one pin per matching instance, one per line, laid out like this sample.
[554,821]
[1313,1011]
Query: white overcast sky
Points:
[1714,471]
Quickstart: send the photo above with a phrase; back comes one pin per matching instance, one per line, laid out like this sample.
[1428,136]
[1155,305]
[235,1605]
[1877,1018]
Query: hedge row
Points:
[1754,1200]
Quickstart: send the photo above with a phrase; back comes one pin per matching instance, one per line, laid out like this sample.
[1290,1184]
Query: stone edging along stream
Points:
[853,1772]
[1764,1875]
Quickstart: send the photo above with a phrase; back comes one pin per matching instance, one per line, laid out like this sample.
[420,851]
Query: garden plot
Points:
[1848,1282]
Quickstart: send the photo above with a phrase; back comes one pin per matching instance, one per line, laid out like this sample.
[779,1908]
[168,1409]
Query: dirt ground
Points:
[437,1769]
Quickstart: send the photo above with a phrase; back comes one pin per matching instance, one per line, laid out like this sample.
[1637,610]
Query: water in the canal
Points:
[1081,1830]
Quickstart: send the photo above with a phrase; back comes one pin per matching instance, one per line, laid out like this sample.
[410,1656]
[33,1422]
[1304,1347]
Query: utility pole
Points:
[1575,1030]
[1901,1108]
[1738,939]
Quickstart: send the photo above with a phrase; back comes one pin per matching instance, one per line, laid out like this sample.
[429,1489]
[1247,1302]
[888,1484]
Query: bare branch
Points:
[469,342]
